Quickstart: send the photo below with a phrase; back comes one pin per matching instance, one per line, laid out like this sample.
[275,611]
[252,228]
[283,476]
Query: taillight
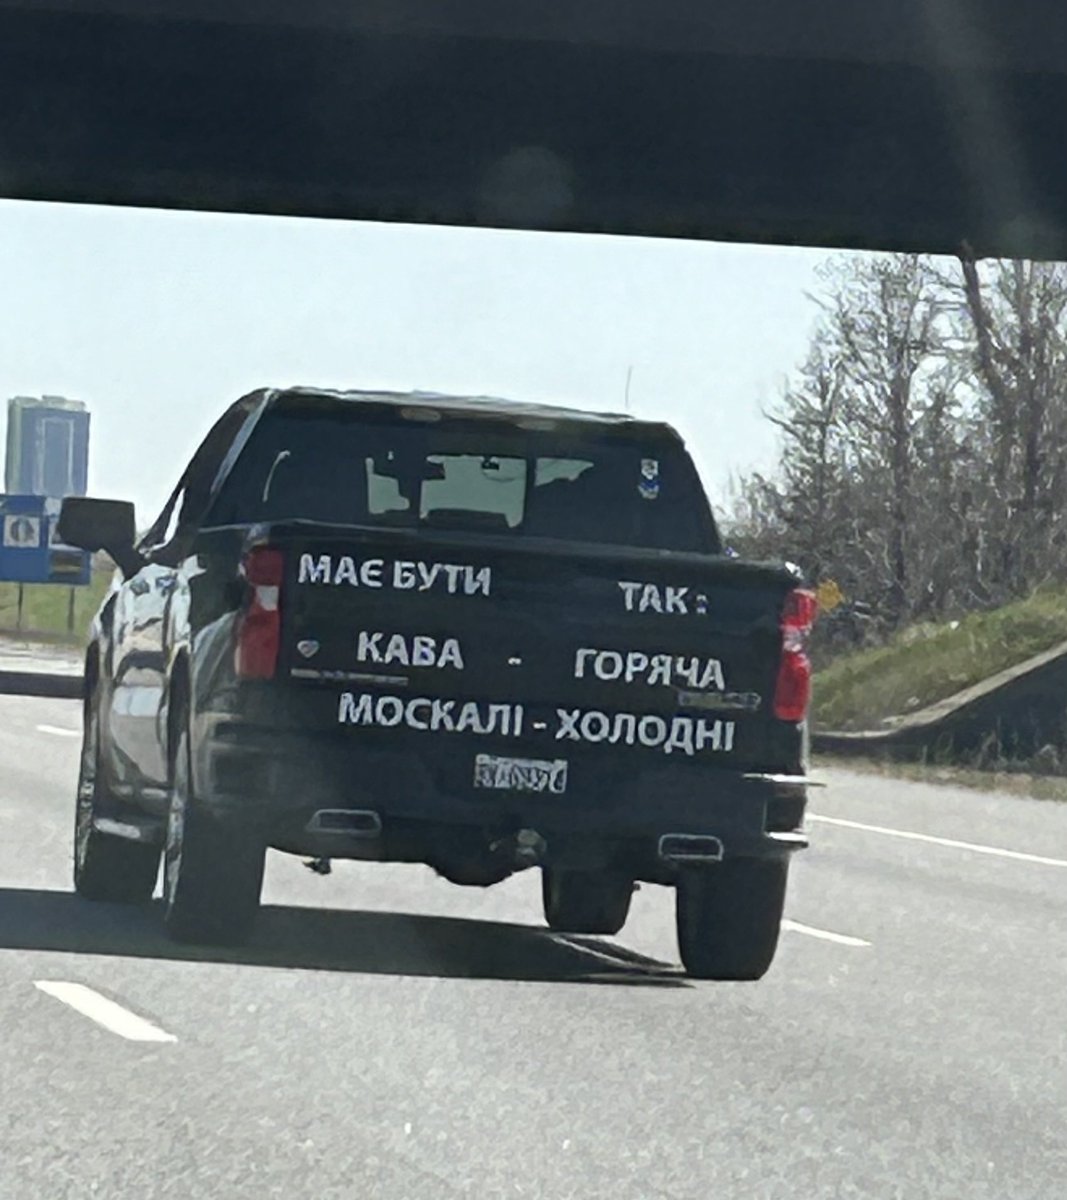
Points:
[259,625]
[792,694]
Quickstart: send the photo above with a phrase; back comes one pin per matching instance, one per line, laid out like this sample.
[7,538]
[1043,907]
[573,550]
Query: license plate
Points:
[520,774]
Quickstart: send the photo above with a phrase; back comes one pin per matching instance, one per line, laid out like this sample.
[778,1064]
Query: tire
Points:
[212,874]
[107,868]
[585,901]
[729,917]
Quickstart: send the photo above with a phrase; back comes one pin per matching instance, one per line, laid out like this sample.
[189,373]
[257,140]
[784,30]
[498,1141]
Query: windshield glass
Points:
[466,475]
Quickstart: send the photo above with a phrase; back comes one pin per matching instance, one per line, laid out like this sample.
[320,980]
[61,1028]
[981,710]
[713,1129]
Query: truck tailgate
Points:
[531,653]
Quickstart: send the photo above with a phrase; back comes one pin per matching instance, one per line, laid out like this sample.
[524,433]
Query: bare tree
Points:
[1015,336]
[885,321]
[924,442]
[809,491]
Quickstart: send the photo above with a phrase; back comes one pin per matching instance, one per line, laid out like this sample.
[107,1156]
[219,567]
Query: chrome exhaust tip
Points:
[685,848]
[348,822]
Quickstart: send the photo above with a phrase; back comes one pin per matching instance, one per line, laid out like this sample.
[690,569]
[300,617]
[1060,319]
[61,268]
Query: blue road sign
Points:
[29,550]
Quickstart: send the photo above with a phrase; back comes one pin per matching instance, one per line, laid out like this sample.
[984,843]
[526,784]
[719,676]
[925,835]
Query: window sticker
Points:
[648,487]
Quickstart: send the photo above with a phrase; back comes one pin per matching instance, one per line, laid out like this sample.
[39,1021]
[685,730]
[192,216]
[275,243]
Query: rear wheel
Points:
[106,867]
[212,873]
[585,901]
[729,918]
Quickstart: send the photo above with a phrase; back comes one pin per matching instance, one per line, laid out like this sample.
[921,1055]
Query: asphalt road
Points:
[389,1035]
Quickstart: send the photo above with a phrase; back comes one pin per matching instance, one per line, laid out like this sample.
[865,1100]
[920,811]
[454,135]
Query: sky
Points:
[158,320]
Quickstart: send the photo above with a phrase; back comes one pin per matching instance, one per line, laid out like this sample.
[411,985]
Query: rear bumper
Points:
[274,782]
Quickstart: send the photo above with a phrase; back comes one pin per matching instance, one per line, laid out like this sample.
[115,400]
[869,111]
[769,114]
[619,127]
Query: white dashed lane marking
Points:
[106,1013]
[59,731]
[825,935]
[1018,855]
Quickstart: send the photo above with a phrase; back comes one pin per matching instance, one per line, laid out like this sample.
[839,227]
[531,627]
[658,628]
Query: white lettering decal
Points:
[412,719]
[608,665]
[351,713]
[579,662]
[688,669]
[665,598]
[651,731]
[389,711]
[451,655]
[404,577]
[478,581]
[676,600]
[453,572]
[499,714]
[625,721]
[427,575]
[713,675]
[370,573]
[568,724]
[424,652]
[680,736]
[368,650]
[430,715]
[595,726]
[346,572]
[655,670]
[720,734]
[470,718]
[686,734]
[709,733]
[689,735]
[661,670]
[636,663]
[397,651]
[630,590]
[315,571]
[650,599]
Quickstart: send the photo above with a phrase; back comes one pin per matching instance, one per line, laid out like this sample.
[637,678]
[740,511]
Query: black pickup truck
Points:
[469,633]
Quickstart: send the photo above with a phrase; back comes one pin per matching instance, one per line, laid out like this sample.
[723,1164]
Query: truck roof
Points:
[492,407]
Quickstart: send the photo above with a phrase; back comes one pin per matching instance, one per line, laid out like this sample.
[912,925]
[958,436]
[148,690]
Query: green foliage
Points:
[926,663]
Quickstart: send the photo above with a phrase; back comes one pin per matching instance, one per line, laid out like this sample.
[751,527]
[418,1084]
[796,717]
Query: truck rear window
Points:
[466,475]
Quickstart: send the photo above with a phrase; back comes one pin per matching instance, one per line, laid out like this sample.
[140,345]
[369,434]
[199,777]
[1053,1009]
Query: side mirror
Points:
[101,525]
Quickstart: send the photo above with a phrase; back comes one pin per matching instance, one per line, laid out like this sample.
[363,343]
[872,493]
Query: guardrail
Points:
[56,686]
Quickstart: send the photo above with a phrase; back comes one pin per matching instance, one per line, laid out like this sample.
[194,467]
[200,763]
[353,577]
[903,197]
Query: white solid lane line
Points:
[841,939]
[59,731]
[106,1013]
[940,841]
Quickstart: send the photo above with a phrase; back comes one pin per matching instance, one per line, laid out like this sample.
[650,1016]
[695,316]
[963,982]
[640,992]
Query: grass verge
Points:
[927,663]
[46,609]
